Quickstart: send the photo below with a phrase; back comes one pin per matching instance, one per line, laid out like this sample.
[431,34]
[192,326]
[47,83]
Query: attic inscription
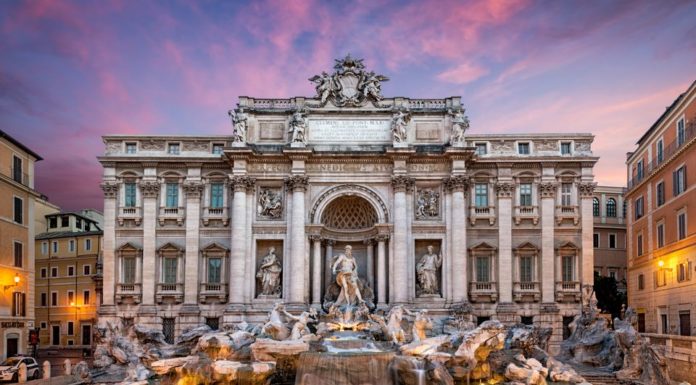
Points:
[362,130]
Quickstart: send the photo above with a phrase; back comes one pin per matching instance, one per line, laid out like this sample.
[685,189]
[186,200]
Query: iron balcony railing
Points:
[667,153]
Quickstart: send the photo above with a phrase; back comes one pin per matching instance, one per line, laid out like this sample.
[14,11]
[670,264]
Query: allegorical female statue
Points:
[346,269]
[426,271]
[269,274]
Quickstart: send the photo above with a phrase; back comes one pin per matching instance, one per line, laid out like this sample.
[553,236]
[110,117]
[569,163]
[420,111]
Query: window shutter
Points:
[14,304]
[674,183]
[23,308]
[685,174]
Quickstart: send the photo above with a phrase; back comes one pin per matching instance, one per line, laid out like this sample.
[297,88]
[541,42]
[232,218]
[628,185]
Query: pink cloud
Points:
[463,73]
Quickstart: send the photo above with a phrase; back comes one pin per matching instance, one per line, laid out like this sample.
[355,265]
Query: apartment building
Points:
[609,236]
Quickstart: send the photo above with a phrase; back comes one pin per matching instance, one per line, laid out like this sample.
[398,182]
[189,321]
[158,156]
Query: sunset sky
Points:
[72,71]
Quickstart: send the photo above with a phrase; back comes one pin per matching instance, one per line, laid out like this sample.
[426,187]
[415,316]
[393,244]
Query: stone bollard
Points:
[46,370]
[68,367]
[22,373]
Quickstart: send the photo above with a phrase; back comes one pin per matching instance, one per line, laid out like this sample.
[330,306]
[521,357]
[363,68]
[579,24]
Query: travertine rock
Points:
[225,346]
[170,365]
[266,349]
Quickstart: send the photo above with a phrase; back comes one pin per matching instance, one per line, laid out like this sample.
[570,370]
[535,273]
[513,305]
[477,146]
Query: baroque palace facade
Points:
[216,229]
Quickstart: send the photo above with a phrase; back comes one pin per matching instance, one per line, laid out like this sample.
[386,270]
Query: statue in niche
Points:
[460,123]
[399,121]
[269,274]
[346,269]
[428,204]
[270,204]
[298,126]
[426,271]
[239,125]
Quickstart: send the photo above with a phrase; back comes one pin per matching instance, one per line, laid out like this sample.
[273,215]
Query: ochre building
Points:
[216,229]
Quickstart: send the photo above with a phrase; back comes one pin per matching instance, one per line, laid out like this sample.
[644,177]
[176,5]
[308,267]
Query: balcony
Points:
[129,214]
[483,213]
[172,214]
[483,291]
[169,292]
[568,291]
[215,214]
[19,176]
[526,292]
[567,212]
[128,293]
[213,292]
[527,212]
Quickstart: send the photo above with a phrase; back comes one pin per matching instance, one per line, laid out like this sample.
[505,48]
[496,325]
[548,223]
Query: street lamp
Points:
[16,282]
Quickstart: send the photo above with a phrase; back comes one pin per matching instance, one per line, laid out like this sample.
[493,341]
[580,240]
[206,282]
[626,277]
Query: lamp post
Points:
[16,282]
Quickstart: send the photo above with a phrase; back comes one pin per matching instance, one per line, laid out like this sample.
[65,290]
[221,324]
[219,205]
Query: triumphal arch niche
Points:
[417,210]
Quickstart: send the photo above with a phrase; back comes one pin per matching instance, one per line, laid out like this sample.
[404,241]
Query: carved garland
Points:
[349,187]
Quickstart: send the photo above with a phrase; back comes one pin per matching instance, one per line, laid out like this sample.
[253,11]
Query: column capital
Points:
[457,183]
[297,182]
[547,189]
[150,189]
[586,189]
[110,189]
[505,189]
[242,182]
[382,237]
[315,237]
[369,242]
[193,189]
[329,242]
[402,182]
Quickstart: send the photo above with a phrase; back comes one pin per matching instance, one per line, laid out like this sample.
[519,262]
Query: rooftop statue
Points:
[350,85]
[239,125]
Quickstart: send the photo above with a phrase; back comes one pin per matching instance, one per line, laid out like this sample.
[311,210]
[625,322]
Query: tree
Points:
[609,298]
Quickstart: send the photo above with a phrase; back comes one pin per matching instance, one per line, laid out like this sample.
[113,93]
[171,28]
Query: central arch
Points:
[348,190]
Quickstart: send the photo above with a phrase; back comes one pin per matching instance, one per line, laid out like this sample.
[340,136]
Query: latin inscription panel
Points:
[354,130]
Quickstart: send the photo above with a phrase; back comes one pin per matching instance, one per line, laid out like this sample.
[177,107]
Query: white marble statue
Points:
[370,85]
[239,125]
[346,269]
[324,86]
[270,204]
[398,126]
[300,328]
[269,274]
[298,127]
[395,332]
[460,123]
[426,270]
[276,327]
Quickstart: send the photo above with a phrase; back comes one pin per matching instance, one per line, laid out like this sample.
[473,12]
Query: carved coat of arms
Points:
[350,85]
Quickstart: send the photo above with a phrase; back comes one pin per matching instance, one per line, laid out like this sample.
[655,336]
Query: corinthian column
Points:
[400,183]
[548,213]
[297,184]
[240,185]
[459,185]
[316,269]
[193,204]
[109,259]
[150,192]
[586,191]
[382,270]
[505,191]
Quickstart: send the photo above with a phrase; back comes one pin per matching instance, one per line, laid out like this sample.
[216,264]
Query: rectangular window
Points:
[217,194]
[685,323]
[567,268]
[639,208]
[639,244]
[44,299]
[660,235]
[679,180]
[17,169]
[681,134]
[18,210]
[595,240]
[218,148]
[664,324]
[19,308]
[214,270]
[526,194]
[565,148]
[612,241]
[86,269]
[660,193]
[131,148]
[172,195]
[129,194]
[54,298]
[566,190]
[213,323]
[18,254]
[65,221]
[639,170]
[44,248]
[681,225]
[526,268]
[481,195]
[523,148]
[44,325]
[78,223]
[88,244]
[129,270]
[71,245]
[71,298]
[481,149]
[641,282]
[168,329]
[85,297]
[44,272]
[173,149]
[170,267]
[71,271]
[483,269]
[612,274]
[52,222]
[71,328]
[55,246]
[660,149]
[54,272]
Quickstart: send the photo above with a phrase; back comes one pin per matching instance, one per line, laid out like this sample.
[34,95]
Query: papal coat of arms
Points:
[350,85]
